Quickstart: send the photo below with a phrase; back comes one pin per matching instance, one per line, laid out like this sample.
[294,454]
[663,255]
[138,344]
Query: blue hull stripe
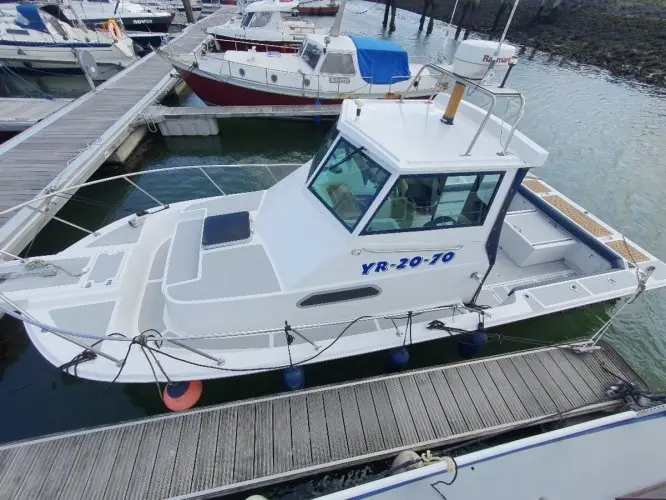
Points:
[51,44]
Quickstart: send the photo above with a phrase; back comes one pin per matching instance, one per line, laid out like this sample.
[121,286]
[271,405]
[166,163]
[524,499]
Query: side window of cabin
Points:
[338,64]
[422,202]
[260,19]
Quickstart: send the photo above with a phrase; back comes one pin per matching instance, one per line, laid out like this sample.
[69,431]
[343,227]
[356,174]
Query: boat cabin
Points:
[375,61]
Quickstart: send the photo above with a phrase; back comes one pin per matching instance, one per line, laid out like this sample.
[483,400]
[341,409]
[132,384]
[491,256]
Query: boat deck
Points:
[248,444]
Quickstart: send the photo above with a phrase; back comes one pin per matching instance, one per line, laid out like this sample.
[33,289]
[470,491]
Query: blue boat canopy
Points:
[29,17]
[381,61]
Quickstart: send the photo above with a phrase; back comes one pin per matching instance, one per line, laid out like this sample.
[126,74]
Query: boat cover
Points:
[29,17]
[381,61]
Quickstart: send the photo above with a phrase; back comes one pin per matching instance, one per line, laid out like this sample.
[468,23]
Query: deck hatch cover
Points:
[226,229]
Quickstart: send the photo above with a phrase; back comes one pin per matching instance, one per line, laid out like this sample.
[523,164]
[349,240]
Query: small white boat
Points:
[40,38]
[614,457]
[326,70]
[263,26]
[416,220]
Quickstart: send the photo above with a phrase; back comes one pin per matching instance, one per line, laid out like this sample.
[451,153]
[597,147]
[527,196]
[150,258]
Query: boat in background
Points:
[263,27]
[617,456]
[319,8]
[133,16]
[41,39]
[175,7]
[326,70]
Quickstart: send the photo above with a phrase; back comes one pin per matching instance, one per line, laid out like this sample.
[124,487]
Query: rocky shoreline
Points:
[625,37]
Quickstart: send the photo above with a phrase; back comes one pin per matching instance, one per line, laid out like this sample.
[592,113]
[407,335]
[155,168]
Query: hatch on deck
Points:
[226,229]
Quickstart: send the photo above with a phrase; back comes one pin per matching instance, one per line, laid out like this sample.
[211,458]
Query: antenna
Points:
[501,41]
[335,28]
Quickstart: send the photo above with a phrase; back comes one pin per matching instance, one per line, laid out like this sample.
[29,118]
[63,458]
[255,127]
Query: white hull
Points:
[604,459]
[140,295]
[109,59]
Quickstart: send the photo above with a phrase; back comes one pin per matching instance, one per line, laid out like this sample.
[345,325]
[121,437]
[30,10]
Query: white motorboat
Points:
[40,38]
[416,220]
[610,457]
[263,27]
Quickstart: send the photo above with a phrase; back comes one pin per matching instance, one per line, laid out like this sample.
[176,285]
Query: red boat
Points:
[327,70]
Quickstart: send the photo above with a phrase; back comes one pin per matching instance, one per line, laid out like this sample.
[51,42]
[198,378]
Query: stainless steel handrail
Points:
[487,91]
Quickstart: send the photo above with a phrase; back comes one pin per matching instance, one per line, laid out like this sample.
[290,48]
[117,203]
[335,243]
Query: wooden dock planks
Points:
[250,443]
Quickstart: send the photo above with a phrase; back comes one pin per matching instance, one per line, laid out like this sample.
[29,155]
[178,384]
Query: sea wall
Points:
[625,37]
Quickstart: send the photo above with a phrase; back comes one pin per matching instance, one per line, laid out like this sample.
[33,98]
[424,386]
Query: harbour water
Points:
[606,139]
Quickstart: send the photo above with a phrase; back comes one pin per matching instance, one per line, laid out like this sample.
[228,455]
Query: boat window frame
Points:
[333,133]
[501,173]
[345,72]
[360,151]
[305,48]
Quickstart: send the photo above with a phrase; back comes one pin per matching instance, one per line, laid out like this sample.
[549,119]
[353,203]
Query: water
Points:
[607,147]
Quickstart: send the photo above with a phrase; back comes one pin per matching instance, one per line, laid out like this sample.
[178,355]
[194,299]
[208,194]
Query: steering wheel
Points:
[438,221]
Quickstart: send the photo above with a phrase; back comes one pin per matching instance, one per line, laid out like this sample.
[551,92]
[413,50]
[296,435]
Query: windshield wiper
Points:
[336,165]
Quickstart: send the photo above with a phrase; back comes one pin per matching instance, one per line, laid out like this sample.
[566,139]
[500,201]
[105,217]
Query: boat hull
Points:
[220,93]
[318,11]
[229,43]
[61,60]
[146,25]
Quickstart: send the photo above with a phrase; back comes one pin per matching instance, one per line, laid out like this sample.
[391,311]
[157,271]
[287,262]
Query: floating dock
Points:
[68,146]
[19,114]
[190,120]
[248,444]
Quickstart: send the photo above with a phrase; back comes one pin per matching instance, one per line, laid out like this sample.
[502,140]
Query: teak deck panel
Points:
[246,444]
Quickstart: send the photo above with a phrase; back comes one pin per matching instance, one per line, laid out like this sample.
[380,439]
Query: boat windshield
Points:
[348,183]
[311,54]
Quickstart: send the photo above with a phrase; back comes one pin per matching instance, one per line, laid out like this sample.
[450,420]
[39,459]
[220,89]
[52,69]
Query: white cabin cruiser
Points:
[40,38]
[611,457]
[326,70]
[416,220]
[264,27]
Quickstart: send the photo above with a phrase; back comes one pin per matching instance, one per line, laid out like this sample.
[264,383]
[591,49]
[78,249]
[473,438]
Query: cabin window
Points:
[259,20]
[323,149]
[320,299]
[13,31]
[338,64]
[311,54]
[422,202]
[247,19]
[348,183]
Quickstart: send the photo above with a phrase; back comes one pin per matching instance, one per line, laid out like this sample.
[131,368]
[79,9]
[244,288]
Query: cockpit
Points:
[348,182]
